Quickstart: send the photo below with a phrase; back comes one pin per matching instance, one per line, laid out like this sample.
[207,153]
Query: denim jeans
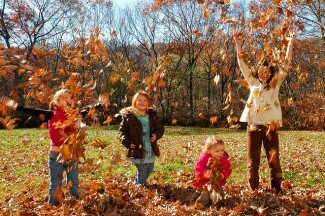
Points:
[143,172]
[256,136]
[56,177]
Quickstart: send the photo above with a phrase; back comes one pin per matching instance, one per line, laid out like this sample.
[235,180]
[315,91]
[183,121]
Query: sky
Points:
[123,2]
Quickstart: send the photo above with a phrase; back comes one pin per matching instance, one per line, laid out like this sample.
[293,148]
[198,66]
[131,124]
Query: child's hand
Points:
[291,36]
[153,137]
[208,174]
[211,162]
[238,36]
[11,104]
[232,163]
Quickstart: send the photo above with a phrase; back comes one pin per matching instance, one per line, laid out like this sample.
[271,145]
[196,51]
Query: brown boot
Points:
[204,199]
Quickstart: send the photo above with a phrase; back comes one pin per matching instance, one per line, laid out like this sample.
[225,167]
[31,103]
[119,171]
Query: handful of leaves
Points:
[73,147]
[216,193]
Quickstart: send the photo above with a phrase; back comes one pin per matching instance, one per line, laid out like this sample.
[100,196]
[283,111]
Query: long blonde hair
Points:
[60,93]
[135,97]
[212,141]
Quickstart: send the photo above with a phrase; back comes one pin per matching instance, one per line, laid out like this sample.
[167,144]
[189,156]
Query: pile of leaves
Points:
[119,196]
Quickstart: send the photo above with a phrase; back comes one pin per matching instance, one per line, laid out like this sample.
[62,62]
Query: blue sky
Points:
[123,2]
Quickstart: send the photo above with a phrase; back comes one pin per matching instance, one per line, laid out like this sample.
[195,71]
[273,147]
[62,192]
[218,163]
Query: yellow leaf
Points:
[213,119]
[257,93]
[8,123]
[206,12]
[242,82]
[108,120]
[114,77]
[273,156]
[3,61]
[214,69]
[277,2]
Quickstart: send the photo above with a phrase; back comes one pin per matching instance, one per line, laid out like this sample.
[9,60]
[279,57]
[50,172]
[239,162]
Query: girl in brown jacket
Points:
[139,131]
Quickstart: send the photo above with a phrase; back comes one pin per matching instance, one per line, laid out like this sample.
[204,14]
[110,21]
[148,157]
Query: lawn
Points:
[106,175]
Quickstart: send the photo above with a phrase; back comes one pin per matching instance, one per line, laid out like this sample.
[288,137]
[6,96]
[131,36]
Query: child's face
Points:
[65,100]
[264,73]
[141,103]
[217,151]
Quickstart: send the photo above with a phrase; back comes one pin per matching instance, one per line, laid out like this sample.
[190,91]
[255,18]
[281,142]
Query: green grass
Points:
[24,154]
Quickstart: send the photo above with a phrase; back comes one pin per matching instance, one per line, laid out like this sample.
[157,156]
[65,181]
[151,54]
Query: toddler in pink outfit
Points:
[211,171]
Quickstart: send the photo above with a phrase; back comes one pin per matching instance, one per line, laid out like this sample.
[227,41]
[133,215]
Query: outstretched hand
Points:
[11,104]
[291,35]
[238,37]
[103,100]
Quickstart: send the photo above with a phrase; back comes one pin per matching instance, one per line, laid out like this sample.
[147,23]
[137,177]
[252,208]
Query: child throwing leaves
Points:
[139,131]
[263,112]
[211,171]
[60,126]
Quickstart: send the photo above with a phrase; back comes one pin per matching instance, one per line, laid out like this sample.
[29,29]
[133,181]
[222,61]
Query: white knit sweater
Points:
[263,105]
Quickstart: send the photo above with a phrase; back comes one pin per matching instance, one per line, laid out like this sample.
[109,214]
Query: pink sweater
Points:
[55,132]
[201,168]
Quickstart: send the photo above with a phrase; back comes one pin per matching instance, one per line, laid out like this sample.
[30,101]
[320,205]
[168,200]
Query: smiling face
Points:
[217,151]
[141,104]
[264,73]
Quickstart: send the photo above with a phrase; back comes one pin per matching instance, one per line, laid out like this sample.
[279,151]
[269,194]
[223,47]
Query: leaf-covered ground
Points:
[106,186]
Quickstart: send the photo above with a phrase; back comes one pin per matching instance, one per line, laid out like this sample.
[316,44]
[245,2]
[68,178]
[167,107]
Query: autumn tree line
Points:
[182,52]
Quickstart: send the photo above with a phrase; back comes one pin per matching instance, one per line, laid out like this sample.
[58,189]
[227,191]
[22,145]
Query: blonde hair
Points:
[212,141]
[60,93]
[135,97]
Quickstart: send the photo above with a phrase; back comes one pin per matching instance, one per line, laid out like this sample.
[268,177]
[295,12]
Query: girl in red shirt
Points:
[60,126]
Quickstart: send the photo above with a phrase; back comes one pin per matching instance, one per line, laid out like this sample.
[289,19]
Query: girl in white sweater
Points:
[263,112]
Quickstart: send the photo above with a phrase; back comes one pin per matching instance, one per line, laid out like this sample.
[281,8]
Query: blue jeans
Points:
[143,172]
[56,177]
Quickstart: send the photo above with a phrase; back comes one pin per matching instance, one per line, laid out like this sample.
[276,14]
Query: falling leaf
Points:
[277,2]
[216,79]
[226,72]
[214,69]
[242,82]
[257,92]
[226,107]
[236,126]
[213,119]
[108,120]
[206,12]
[8,123]
[273,156]
[114,33]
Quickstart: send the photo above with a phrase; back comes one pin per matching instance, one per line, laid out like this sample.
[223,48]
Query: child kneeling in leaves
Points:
[211,171]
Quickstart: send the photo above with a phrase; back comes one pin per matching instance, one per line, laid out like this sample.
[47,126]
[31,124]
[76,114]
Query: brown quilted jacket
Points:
[130,131]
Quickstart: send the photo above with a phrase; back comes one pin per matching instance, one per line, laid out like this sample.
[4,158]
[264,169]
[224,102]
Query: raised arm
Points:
[240,56]
[13,105]
[239,42]
[290,39]
[285,67]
